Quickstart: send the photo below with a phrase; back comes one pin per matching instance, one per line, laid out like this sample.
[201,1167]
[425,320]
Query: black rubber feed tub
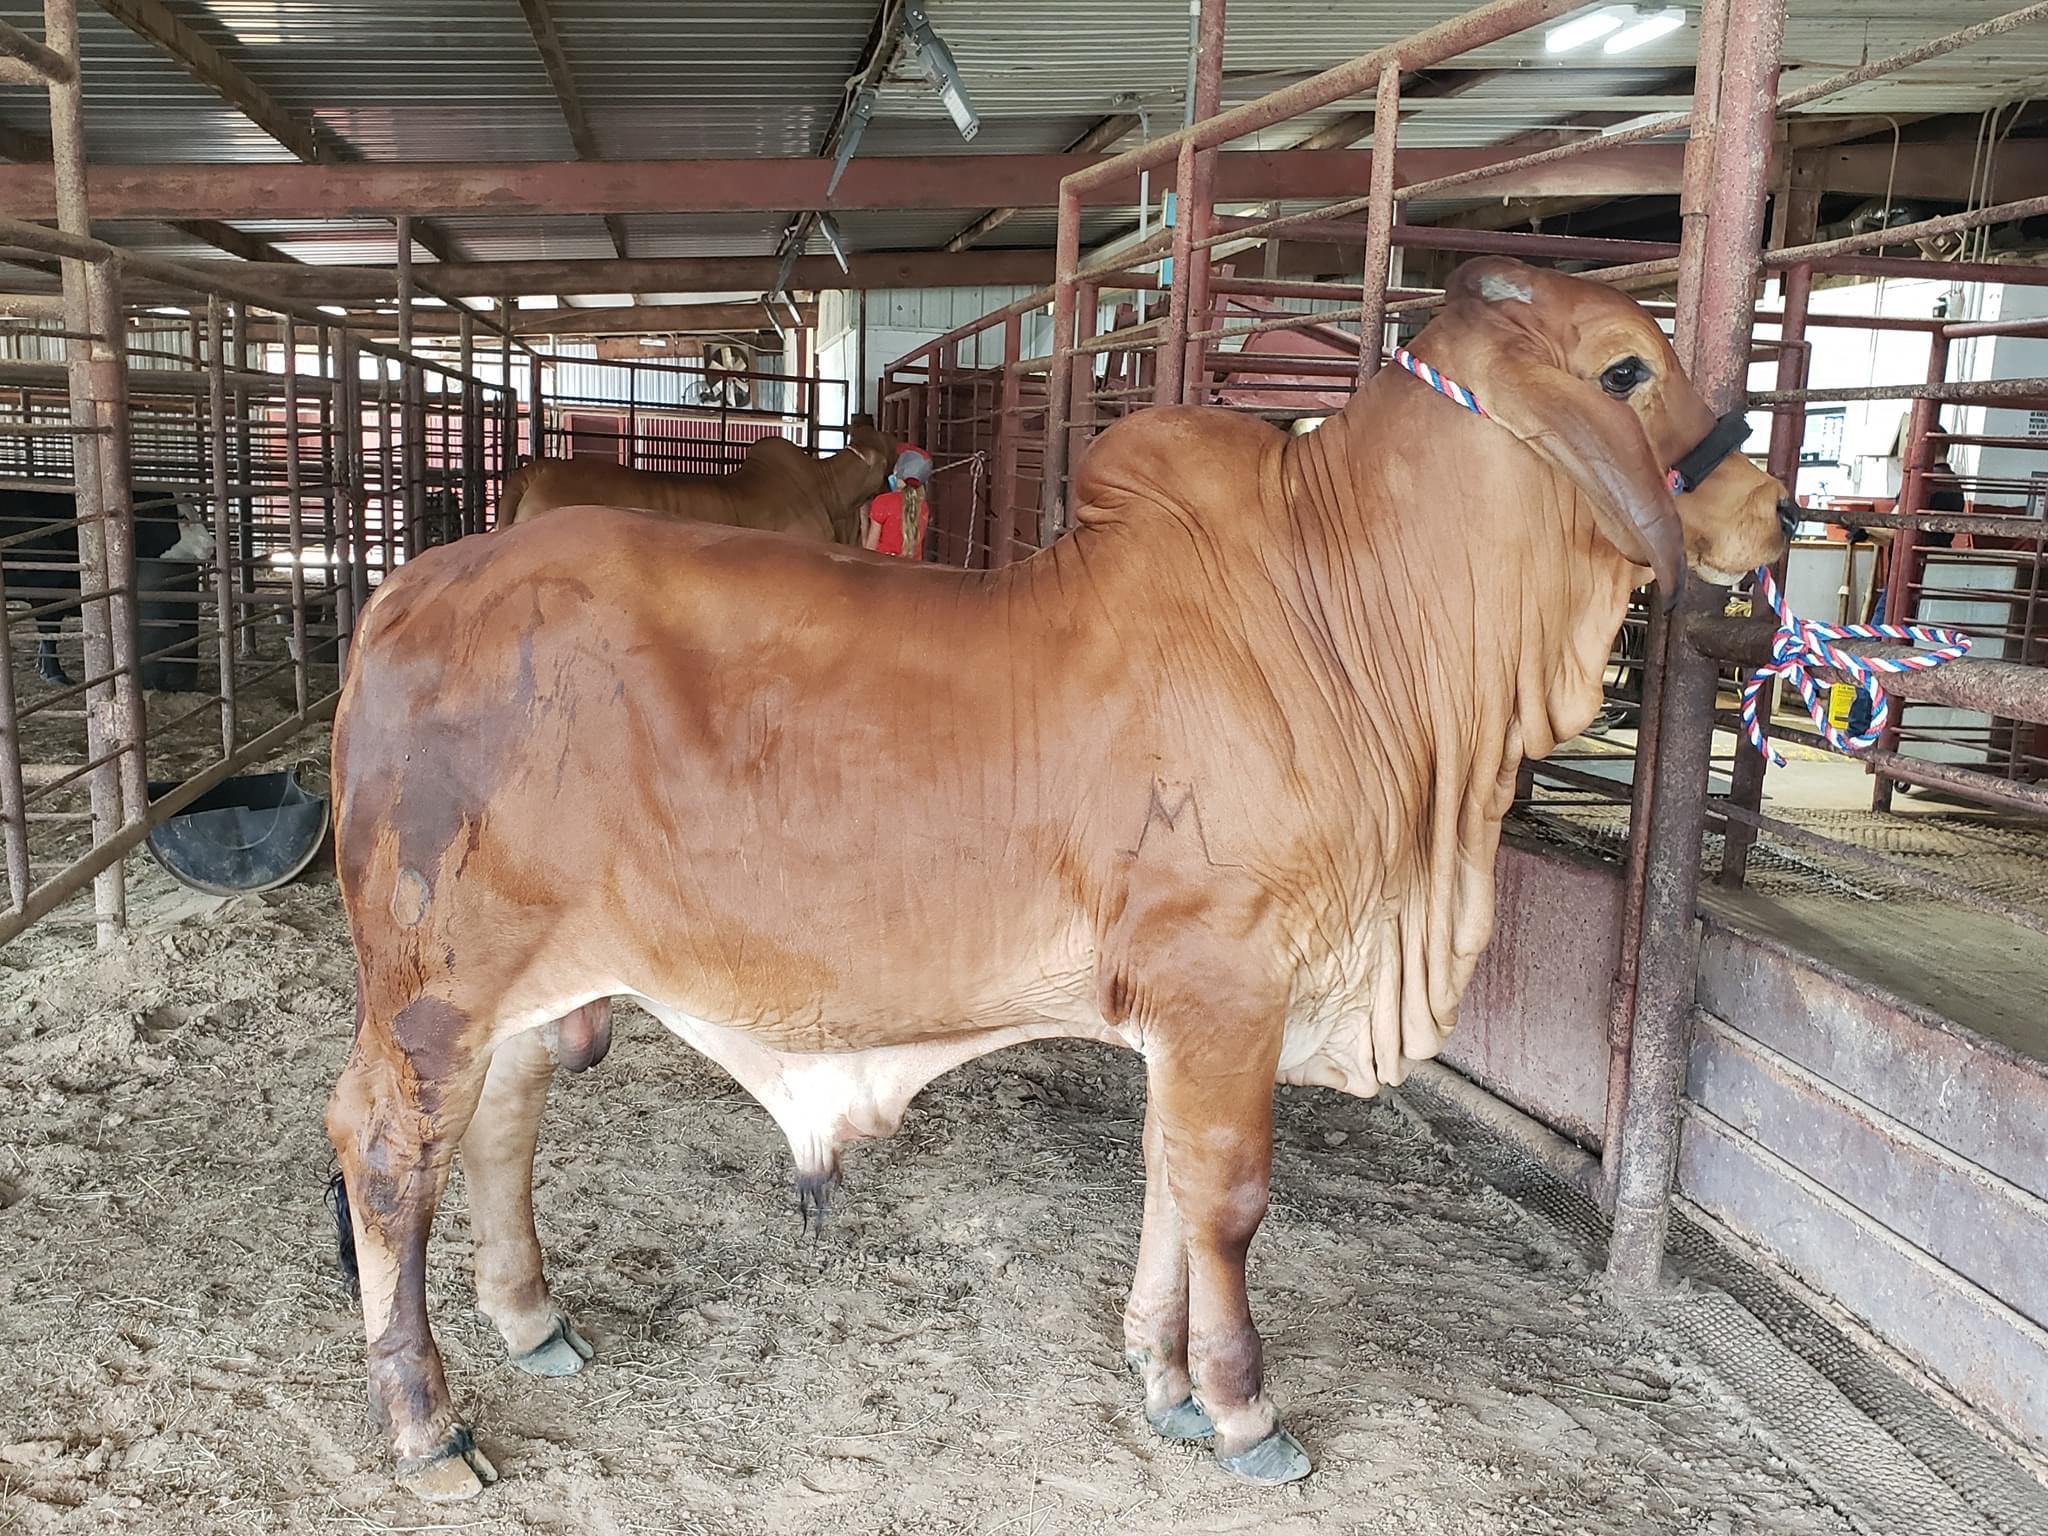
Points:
[252,833]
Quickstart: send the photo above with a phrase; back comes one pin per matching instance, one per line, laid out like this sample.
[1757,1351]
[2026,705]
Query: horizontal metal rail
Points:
[1933,883]
[2009,688]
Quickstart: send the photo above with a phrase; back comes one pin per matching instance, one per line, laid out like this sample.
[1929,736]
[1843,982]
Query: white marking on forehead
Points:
[1496,289]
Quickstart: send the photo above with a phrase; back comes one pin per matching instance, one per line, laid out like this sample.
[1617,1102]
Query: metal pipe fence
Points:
[189,524]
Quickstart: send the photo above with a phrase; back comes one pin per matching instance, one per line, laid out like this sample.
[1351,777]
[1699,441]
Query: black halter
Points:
[1701,460]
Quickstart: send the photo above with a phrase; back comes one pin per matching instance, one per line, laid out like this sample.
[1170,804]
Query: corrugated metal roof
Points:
[462,79]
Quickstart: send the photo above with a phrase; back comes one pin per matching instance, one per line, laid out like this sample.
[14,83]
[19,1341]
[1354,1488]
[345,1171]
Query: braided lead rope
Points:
[1450,389]
[1799,643]
[1802,643]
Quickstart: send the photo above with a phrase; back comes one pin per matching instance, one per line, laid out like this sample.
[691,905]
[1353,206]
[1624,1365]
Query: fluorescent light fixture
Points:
[1647,29]
[834,241]
[1589,28]
[770,308]
[940,69]
[796,316]
[857,119]
[172,310]
[653,341]
[333,309]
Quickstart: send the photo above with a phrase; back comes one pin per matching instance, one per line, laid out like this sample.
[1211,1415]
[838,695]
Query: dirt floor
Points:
[179,1356]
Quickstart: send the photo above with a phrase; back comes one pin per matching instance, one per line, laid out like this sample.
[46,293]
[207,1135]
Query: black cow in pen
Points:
[171,545]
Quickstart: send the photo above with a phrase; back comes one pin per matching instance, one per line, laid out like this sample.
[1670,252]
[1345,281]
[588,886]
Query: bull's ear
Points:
[1599,444]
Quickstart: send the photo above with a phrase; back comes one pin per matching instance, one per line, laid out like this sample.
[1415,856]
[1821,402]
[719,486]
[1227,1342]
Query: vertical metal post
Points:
[1788,431]
[508,403]
[1198,209]
[244,542]
[94,498]
[223,530]
[1087,320]
[109,375]
[348,469]
[1695,179]
[1009,510]
[537,410]
[409,422]
[934,390]
[1059,380]
[358,503]
[1733,159]
[294,512]
[13,793]
[1173,337]
[1898,584]
[330,458]
[472,510]
[632,418]
[387,470]
[1379,221]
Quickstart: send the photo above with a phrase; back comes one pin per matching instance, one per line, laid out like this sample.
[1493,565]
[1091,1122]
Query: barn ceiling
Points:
[468,80]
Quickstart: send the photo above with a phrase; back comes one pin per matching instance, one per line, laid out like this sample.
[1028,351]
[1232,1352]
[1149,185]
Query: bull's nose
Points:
[1789,515]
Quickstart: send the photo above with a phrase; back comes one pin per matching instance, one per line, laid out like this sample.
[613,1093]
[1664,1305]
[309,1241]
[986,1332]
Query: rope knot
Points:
[1801,644]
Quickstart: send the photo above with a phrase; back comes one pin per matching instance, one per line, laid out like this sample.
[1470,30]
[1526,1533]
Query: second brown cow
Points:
[778,487]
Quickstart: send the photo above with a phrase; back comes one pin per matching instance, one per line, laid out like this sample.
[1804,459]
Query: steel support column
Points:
[1059,379]
[1788,431]
[223,530]
[1198,208]
[295,513]
[1379,222]
[1167,382]
[1898,586]
[89,355]
[1725,259]
[1009,510]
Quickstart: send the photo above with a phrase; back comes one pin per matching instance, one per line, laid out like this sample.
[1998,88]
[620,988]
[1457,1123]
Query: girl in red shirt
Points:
[896,520]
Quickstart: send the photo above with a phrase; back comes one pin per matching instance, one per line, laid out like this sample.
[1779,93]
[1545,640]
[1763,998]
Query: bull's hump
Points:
[1190,458]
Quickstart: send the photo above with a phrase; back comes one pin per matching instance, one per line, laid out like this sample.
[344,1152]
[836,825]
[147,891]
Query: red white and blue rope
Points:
[1799,643]
[1802,643]
[1450,389]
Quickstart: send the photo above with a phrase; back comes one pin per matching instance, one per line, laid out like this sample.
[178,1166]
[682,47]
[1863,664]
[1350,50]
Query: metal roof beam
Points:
[305,138]
[31,148]
[385,190]
[684,274]
[153,22]
[540,21]
[1939,172]
[712,319]
[1103,135]
[235,242]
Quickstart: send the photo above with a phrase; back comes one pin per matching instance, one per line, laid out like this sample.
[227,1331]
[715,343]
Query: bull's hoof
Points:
[461,1472]
[561,1353]
[1183,1421]
[54,675]
[1276,1459]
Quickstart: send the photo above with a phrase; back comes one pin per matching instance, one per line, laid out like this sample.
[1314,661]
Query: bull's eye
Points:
[1622,377]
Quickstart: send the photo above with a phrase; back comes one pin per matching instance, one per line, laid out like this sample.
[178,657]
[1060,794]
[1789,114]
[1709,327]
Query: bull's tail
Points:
[515,487]
[344,1235]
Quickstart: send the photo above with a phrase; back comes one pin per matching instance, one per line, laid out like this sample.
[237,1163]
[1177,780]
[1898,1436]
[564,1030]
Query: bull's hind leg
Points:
[402,1104]
[1156,1317]
[497,1162]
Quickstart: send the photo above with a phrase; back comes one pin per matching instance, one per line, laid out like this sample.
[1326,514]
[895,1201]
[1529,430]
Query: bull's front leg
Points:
[1156,1316]
[1213,1097]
